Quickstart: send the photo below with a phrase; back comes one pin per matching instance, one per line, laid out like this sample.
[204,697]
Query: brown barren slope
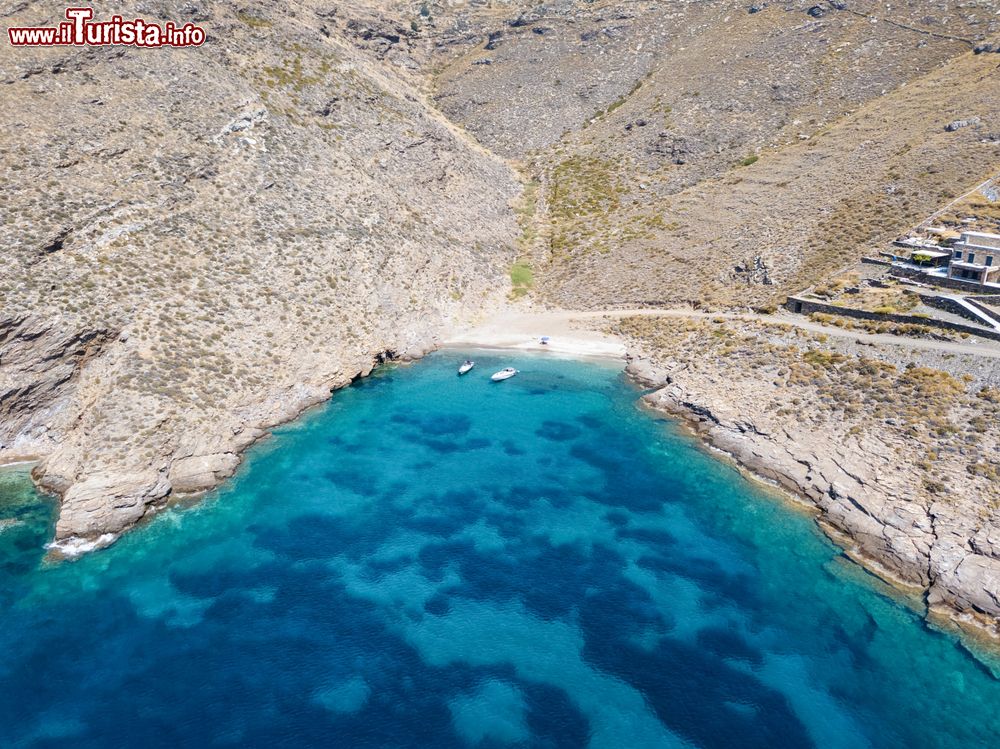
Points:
[199,243]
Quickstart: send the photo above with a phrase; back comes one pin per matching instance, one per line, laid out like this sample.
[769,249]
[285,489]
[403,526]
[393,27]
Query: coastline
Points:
[578,335]
[977,631]
[521,329]
[18,461]
[499,327]
[296,404]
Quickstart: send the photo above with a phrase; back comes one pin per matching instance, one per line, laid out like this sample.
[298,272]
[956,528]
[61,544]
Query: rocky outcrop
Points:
[946,551]
[263,219]
[40,360]
[959,124]
[108,503]
[194,473]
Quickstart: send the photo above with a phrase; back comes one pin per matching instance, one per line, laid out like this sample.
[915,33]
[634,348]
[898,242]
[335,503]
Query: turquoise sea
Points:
[435,561]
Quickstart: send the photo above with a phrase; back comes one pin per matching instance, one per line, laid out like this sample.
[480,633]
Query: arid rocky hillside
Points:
[723,153]
[199,243]
[895,447]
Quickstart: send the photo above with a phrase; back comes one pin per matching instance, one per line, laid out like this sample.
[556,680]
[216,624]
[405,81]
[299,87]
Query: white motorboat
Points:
[466,366]
[504,374]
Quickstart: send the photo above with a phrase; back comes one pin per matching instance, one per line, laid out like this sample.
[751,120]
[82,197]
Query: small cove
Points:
[430,560]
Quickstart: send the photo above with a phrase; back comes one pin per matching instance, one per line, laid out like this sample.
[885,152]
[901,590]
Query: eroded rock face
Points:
[964,560]
[199,472]
[200,243]
[948,551]
[108,503]
[40,359]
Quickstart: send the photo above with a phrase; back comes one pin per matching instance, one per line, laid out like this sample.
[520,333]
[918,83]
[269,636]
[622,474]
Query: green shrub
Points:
[521,277]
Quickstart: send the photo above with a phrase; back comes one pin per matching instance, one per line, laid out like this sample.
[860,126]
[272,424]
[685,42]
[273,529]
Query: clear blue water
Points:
[433,561]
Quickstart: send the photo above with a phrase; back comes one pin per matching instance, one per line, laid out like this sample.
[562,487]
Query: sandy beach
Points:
[570,333]
[576,332]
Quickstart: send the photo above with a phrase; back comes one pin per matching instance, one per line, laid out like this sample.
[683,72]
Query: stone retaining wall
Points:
[948,283]
[808,306]
[949,305]
[990,313]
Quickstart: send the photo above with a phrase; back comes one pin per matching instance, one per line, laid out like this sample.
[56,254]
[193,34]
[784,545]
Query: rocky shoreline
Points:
[933,558]
[95,512]
[306,214]
[944,555]
[940,553]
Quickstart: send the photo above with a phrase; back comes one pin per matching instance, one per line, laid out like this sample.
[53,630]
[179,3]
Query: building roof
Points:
[917,242]
[980,239]
[970,266]
[944,233]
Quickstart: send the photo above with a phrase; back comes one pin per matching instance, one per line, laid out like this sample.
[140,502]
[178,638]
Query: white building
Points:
[976,257]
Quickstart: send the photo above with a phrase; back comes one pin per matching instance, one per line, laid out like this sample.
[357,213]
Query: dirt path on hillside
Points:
[570,335]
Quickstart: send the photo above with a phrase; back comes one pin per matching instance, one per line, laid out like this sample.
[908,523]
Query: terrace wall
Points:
[808,306]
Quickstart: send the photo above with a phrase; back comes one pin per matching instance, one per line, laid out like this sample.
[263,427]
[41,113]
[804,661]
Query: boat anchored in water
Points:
[504,374]
[466,366]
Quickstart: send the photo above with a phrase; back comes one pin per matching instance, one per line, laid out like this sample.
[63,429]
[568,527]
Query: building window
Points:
[958,254]
[972,257]
[989,260]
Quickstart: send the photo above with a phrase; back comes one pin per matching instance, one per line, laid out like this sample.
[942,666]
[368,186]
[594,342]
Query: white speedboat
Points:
[504,374]
[466,366]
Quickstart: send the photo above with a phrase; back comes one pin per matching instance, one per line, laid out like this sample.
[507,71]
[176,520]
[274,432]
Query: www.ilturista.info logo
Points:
[80,30]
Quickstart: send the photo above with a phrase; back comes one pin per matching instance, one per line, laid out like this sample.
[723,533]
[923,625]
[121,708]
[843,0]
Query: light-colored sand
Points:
[578,333]
[574,334]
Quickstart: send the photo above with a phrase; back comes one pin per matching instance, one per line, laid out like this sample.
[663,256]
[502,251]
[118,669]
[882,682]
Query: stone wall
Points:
[948,304]
[977,303]
[808,306]
[948,283]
